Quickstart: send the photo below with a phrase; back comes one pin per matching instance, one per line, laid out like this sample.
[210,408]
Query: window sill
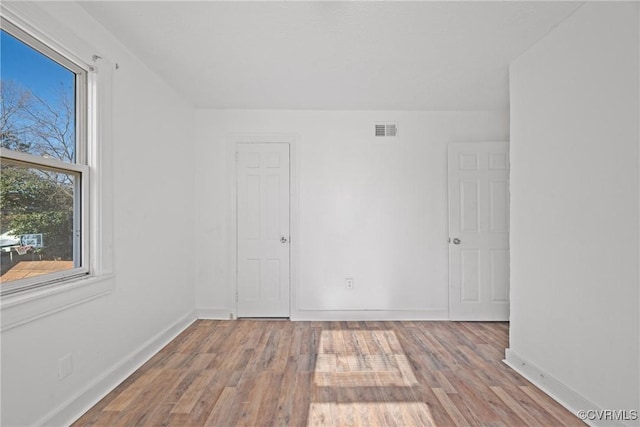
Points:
[19,309]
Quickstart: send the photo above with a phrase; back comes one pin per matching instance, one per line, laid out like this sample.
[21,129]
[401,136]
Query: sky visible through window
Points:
[32,70]
[38,102]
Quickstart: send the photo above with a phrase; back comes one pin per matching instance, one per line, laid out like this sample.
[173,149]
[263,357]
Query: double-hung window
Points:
[44,173]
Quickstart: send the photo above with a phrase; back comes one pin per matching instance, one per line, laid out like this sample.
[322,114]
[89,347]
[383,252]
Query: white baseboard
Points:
[338,315]
[75,407]
[213,313]
[558,391]
[373,315]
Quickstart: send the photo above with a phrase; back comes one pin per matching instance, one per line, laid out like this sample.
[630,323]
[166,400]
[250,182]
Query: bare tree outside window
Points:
[31,124]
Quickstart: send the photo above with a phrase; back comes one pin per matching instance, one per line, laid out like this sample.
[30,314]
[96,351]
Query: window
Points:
[44,173]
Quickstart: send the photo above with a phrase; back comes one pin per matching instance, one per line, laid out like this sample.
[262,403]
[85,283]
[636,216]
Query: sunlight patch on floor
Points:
[370,414]
[362,359]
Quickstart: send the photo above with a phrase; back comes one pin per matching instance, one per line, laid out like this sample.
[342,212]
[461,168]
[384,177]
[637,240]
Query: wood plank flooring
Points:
[281,373]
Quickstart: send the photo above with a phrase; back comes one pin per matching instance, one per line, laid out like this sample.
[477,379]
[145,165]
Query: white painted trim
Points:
[557,390]
[32,19]
[294,155]
[100,160]
[20,308]
[214,313]
[373,315]
[340,315]
[85,399]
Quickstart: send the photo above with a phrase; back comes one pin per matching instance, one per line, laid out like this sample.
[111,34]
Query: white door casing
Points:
[263,229]
[478,181]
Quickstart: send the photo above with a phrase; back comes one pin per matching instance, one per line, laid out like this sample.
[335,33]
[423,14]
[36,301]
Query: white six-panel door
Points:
[263,229]
[479,231]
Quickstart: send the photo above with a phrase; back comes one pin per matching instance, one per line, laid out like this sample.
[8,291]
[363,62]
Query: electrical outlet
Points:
[65,366]
[348,282]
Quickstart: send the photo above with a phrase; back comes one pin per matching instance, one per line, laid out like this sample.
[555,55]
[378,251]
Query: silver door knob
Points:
[456,241]
[283,239]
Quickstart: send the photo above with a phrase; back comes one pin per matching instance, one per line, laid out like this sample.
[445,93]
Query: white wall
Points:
[574,209]
[153,289]
[375,211]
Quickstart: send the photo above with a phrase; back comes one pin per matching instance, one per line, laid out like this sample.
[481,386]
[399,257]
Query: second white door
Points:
[263,229]
[479,231]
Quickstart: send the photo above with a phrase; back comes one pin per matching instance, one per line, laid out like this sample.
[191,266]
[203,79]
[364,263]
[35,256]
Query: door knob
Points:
[456,241]
[283,239]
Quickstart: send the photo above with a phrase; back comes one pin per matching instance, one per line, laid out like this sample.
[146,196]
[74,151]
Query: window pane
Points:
[37,222]
[38,102]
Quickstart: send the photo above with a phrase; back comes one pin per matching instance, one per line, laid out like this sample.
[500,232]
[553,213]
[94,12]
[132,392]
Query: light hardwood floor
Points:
[281,373]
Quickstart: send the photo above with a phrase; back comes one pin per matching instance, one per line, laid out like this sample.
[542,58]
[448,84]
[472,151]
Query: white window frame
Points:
[34,302]
[79,168]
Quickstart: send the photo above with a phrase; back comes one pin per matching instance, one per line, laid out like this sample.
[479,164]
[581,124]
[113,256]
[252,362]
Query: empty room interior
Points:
[320,213]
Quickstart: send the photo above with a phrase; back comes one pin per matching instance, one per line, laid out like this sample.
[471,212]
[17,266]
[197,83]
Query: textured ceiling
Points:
[333,55]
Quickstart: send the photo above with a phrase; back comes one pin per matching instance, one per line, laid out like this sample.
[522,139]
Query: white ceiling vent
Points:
[387,129]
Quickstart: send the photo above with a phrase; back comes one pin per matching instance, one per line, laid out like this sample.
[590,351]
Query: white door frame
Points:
[232,242]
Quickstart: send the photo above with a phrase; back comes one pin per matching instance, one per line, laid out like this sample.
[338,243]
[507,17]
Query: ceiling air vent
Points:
[386,129]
